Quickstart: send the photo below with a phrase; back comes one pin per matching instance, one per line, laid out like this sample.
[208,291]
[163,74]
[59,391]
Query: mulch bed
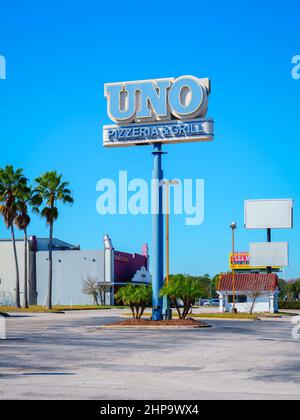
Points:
[187,323]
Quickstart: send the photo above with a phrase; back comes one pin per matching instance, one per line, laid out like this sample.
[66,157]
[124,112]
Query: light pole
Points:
[167,183]
[233,227]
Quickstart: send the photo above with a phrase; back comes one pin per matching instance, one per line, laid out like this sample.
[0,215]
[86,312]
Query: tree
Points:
[90,288]
[215,285]
[297,289]
[11,183]
[102,289]
[290,291]
[254,295]
[185,289]
[22,221]
[136,297]
[293,289]
[282,289]
[49,191]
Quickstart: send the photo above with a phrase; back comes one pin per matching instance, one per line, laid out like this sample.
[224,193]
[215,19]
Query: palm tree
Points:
[22,221]
[11,182]
[49,191]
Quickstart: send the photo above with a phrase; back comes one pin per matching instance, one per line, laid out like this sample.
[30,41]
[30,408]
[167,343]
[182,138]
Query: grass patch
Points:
[86,307]
[32,309]
[229,315]
[226,315]
[209,315]
[57,308]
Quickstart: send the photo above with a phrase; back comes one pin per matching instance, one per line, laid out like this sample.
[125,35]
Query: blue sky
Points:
[59,55]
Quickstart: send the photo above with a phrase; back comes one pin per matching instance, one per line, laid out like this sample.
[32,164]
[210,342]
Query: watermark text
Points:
[138,197]
[296,68]
[2,67]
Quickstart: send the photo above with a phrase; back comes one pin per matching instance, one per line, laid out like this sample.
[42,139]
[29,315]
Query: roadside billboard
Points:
[269,214]
[269,254]
[241,262]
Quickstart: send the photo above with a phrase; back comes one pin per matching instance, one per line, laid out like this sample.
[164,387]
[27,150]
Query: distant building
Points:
[71,267]
[263,288]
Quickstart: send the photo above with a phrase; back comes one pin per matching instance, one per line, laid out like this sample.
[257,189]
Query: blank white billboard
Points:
[269,214]
[269,254]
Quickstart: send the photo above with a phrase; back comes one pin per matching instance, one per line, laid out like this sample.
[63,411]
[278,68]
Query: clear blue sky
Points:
[60,53]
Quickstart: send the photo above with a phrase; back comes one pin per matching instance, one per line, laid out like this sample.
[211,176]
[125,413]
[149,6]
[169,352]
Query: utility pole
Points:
[233,227]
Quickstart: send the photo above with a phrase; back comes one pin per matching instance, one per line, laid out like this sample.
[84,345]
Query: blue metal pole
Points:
[157,234]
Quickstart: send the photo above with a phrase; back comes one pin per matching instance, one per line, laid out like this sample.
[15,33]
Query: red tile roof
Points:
[249,282]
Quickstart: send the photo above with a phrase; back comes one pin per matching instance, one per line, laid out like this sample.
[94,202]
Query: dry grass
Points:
[41,309]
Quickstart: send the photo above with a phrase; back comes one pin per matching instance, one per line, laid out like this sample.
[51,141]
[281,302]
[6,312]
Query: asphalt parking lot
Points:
[65,356]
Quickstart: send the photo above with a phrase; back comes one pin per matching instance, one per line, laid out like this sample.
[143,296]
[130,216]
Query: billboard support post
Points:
[269,240]
[157,233]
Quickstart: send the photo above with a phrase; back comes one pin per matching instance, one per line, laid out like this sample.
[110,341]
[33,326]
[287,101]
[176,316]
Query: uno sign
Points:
[158,111]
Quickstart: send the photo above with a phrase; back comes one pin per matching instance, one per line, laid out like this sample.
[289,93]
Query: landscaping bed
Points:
[175,323]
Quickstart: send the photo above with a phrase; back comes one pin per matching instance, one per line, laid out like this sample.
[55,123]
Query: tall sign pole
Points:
[159,111]
[157,236]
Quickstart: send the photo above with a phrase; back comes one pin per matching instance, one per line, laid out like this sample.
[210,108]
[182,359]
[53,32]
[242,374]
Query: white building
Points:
[260,290]
[71,267]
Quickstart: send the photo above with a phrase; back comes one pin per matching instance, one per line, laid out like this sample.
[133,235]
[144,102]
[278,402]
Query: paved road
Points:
[65,356]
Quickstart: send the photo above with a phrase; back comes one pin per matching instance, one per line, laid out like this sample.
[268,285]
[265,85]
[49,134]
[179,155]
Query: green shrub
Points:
[136,297]
[289,305]
[183,289]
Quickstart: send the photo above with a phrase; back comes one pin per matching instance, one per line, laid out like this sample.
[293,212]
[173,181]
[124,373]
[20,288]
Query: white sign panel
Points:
[158,111]
[269,254]
[269,214]
[171,133]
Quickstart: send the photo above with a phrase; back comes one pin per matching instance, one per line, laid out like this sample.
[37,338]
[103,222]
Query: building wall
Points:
[126,265]
[8,271]
[263,304]
[70,269]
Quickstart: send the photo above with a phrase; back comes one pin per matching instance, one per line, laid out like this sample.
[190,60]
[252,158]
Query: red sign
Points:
[242,258]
